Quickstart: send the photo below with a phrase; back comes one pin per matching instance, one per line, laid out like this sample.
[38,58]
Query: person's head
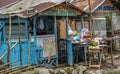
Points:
[30,27]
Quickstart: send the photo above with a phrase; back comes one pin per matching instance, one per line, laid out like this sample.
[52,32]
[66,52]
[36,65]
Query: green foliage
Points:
[108,22]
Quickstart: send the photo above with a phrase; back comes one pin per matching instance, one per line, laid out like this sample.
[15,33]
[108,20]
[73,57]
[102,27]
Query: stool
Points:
[95,58]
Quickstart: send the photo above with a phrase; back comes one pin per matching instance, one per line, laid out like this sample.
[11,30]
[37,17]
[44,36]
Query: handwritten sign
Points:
[48,44]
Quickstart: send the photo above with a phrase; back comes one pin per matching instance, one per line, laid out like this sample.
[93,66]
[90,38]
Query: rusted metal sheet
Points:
[38,8]
[5,3]
[47,5]
[84,5]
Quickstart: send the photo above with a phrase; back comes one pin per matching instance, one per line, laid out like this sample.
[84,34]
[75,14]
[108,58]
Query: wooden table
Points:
[103,48]
[85,46]
[111,50]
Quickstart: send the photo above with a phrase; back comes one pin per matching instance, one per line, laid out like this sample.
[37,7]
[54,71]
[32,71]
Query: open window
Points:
[45,25]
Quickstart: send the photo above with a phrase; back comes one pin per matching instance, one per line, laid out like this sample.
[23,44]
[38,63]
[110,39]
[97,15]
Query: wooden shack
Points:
[30,37]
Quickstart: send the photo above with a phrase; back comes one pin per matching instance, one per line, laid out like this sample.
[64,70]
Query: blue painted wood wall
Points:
[15,52]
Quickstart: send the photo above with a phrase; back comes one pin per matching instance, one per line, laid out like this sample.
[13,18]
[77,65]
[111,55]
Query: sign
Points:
[60,12]
[48,44]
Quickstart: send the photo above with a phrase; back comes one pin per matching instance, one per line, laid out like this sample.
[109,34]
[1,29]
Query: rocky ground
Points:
[79,69]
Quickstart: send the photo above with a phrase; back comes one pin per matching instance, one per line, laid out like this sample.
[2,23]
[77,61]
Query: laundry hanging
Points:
[41,25]
[70,31]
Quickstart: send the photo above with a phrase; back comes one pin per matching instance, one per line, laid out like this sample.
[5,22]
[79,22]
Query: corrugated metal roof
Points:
[43,6]
[7,3]
[21,8]
[84,5]
[38,8]
[35,6]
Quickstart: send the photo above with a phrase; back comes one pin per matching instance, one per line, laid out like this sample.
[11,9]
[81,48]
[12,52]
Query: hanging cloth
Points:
[70,31]
[41,25]
[83,32]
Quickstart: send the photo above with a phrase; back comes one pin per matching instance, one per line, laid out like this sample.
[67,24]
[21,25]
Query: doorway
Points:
[61,37]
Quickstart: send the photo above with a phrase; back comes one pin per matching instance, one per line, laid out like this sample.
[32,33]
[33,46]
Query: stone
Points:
[65,73]
[69,70]
[114,71]
[76,65]
[42,70]
[51,71]
[118,67]
[99,72]
[56,71]
[74,71]
[61,71]
[90,71]
[30,72]
[65,69]
[80,69]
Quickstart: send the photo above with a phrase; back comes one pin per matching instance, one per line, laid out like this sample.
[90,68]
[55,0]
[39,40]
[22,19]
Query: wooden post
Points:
[29,50]
[89,8]
[34,30]
[19,40]
[90,19]
[55,32]
[112,27]
[8,43]
[111,51]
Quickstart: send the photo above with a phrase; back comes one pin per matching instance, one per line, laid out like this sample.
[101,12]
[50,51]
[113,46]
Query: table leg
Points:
[85,52]
[111,53]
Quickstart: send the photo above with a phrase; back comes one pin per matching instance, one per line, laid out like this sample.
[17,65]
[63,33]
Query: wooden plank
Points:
[62,29]
[7,52]
[9,63]
[94,65]
[8,57]
[60,12]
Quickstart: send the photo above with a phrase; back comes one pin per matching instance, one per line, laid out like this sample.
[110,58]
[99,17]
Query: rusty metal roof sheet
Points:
[21,8]
[43,6]
[30,9]
[84,5]
[38,8]
[7,3]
